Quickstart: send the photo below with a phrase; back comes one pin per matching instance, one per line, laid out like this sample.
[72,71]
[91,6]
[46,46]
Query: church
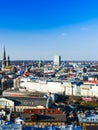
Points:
[6,66]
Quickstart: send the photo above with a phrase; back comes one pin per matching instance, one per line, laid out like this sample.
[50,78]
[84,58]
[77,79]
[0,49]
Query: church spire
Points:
[4,54]
[8,61]
[4,58]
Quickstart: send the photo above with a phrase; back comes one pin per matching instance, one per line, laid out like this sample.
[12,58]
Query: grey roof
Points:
[91,127]
[45,118]
[28,101]
[54,117]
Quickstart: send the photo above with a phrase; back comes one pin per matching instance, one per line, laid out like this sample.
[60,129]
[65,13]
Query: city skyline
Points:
[33,30]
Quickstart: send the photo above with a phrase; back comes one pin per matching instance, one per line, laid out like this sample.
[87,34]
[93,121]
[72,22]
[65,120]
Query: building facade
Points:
[6,103]
[57,60]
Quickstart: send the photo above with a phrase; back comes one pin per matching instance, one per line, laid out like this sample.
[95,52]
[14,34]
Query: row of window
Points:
[42,111]
[4,103]
[20,109]
[28,103]
[92,119]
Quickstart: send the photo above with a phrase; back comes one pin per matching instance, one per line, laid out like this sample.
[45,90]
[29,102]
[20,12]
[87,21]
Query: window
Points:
[53,111]
[7,104]
[40,110]
[17,109]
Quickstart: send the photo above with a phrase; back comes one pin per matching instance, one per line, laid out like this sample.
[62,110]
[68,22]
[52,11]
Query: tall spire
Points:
[4,58]
[8,61]
[4,54]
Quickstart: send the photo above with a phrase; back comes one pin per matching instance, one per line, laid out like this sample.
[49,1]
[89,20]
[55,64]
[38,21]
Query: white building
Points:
[88,118]
[6,103]
[57,60]
[89,90]
[65,87]
[19,120]
[41,86]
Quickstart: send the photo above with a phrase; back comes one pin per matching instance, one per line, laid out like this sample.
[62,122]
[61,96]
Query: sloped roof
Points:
[46,118]
[28,101]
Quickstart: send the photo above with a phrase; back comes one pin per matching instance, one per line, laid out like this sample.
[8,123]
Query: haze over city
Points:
[40,29]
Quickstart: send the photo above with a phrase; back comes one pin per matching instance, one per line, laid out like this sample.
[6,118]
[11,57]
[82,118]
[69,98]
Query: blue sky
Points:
[40,29]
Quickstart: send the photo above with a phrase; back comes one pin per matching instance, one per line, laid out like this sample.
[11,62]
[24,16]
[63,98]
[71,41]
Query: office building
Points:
[57,60]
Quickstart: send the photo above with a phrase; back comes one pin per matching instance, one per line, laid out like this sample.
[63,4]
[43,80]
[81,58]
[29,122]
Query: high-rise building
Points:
[57,60]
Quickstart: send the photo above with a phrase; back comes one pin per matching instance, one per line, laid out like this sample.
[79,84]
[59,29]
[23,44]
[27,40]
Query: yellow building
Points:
[6,103]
